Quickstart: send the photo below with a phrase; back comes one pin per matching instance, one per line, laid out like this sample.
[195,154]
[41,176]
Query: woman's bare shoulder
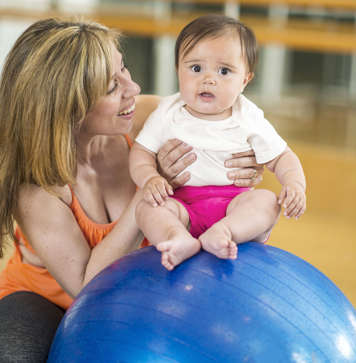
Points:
[34,195]
[145,104]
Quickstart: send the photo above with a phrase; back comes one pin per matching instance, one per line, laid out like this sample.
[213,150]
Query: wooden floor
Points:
[326,235]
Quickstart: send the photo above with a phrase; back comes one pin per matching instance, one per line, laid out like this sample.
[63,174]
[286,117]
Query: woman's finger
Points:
[257,180]
[243,162]
[171,152]
[246,173]
[173,161]
[245,159]
[182,164]
[168,147]
[172,174]
[180,180]
[244,153]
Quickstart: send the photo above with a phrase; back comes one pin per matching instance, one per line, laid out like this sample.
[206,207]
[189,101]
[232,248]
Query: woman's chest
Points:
[104,197]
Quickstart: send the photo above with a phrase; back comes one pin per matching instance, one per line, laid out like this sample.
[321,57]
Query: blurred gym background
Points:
[305,82]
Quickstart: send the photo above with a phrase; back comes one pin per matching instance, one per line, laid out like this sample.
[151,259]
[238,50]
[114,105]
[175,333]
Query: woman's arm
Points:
[49,224]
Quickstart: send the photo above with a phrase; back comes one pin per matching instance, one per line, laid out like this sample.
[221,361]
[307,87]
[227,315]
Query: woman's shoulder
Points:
[38,210]
[38,197]
[145,105]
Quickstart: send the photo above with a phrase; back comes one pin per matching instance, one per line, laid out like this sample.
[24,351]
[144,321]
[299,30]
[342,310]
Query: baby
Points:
[215,60]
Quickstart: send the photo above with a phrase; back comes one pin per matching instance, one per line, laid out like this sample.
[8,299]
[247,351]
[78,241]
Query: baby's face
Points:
[212,76]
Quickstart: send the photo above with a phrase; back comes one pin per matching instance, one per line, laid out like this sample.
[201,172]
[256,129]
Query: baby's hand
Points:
[292,198]
[156,191]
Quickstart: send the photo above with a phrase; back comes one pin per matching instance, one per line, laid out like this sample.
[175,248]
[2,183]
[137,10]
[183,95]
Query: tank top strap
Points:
[128,140]
[93,232]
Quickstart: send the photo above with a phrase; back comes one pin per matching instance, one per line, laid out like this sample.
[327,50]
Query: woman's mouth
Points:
[128,111]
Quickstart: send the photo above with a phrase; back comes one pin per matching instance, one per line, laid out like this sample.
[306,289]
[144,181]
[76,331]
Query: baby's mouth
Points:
[206,95]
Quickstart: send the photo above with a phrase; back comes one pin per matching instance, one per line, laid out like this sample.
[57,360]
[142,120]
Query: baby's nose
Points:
[210,81]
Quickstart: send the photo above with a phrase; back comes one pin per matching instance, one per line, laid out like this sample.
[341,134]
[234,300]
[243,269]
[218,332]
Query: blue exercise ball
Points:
[266,306]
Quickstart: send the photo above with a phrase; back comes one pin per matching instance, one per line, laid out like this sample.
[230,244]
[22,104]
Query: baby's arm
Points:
[143,170]
[289,172]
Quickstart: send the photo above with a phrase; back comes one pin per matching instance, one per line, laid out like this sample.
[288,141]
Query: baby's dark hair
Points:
[212,26]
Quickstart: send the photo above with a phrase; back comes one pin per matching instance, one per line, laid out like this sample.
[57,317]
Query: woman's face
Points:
[113,113]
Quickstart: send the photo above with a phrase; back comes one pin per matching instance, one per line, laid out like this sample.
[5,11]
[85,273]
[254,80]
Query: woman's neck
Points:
[100,153]
[90,147]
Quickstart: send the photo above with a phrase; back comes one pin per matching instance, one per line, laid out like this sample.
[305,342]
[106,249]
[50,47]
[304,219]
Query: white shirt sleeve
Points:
[150,135]
[156,130]
[268,144]
[263,138]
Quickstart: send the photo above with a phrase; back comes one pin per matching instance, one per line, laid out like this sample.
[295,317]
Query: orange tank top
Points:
[19,276]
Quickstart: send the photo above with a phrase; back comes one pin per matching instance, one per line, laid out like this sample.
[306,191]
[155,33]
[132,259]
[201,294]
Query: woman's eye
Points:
[224,71]
[113,88]
[196,68]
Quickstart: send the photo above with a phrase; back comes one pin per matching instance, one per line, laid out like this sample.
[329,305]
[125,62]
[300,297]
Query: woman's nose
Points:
[131,88]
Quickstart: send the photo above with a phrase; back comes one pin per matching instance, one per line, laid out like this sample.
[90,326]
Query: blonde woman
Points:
[68,113]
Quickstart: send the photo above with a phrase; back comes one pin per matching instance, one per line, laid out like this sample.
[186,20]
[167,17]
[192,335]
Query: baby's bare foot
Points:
[178,248]
[217,240]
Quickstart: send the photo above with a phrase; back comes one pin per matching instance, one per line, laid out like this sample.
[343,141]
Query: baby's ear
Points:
[248,78]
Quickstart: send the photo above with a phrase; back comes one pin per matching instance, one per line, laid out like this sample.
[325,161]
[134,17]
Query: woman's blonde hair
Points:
[54,74]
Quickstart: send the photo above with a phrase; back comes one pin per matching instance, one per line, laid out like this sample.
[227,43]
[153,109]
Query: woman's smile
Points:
[128,111]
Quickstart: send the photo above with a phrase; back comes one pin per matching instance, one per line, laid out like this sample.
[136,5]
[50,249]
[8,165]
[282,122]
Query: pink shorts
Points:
[206,205]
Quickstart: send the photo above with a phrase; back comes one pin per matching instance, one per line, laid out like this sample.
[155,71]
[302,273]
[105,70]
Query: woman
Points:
[68,113]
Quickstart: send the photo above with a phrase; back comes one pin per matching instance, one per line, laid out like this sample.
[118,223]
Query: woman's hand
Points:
[250,173]
[172,158]
[175,156]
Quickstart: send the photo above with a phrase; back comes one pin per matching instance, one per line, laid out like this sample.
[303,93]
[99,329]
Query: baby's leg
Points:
[249,216]
[166,228]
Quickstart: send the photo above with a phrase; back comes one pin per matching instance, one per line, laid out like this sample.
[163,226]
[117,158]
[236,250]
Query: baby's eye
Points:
[224,71]
[196,68]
